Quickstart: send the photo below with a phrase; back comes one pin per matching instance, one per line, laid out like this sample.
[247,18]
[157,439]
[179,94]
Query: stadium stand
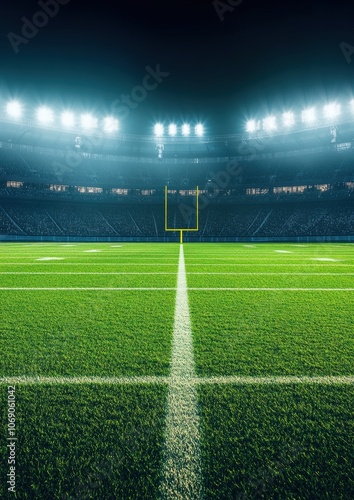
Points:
[55,192]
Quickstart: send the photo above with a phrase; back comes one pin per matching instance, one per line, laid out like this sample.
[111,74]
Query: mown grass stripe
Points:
[182,471]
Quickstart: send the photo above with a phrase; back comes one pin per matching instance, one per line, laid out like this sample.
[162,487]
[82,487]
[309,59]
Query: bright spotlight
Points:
[88,122]
[44,115]
[14,109]
[308,115]
[199,130]
[186,130]
[67,119]
[251,126]
[352,104]
[159,130]
[110,124]
[270,123]
[172,129]
[288,119]
[332,110]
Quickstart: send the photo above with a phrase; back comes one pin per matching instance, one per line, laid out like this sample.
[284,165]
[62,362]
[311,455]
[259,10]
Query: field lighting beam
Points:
[172,129]
[288,119]
[251,126]
[199,130]
[14,109]
[44,115]
[110,124]
[186,129]
[270,123]
[88,122]
[331,111]
[67,119]
[308,115]
[159,130]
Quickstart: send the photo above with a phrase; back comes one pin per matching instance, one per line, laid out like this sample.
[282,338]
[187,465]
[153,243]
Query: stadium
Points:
[61,181]
[256,305]
[176,250]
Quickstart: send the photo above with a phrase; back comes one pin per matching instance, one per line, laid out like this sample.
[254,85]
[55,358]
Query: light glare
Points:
[288,119]
[186,130]
[88,122]
[270,123]
[44,115]
[332,110]
[172,129]
[67,119]
[251,126]
[199,130]
[110,124]
[309,115]
[14,109]
[159,130]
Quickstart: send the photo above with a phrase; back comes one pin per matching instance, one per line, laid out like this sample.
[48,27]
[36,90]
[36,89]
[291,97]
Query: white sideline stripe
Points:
[182,381]
[121,273]
[182,471]
[254,274]
[259,289]
[202,289]
[117,264]
[272,265]
[84,289]
[124,273]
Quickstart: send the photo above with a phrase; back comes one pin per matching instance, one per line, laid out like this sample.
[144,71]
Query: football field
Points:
[167,371]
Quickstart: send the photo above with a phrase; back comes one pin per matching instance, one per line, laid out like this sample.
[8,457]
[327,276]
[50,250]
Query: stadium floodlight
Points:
[331,111]
[352,104]
[44,115]
[159,130]
[199,130]
[308,115]
[172,129]
[270,123]
[14,109]
[88,122]
[67,119]
[186,129]
[288,119]
[251,126]
[110,124]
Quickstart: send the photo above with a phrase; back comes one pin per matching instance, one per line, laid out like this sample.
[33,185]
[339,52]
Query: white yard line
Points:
[200,289]
[258,289]
[121,273]
[54,263]
[83,289]
[182,381]
[182,471]
[264,274]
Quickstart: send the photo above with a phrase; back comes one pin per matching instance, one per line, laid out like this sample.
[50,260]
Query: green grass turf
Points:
[272,333]
[272,442]
[86,333]
[104,441]
[264,281]
[89,280]
[86,442]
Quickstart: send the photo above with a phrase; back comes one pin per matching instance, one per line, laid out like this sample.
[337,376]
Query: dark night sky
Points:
[262,57]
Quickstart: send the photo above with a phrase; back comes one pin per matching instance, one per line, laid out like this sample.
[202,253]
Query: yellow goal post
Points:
[181,230]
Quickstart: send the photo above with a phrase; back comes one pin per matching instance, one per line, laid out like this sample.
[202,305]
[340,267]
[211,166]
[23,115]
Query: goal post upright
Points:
[181,230]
